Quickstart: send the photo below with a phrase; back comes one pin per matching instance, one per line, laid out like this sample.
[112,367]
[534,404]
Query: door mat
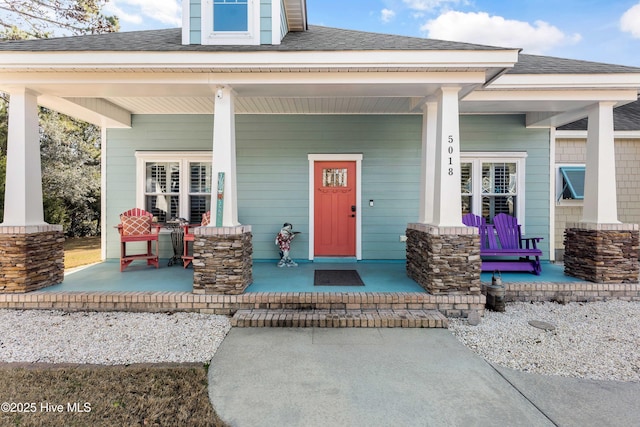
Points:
[337,278]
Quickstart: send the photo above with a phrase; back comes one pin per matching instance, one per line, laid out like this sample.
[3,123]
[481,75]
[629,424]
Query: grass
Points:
[137,395]
[80,251]
[93,395]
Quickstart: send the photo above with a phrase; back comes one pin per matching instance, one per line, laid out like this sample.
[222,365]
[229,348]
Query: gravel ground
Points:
[112,338]
[598,340]
[595,340]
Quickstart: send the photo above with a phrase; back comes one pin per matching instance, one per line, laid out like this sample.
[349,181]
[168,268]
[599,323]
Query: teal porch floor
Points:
[378,276]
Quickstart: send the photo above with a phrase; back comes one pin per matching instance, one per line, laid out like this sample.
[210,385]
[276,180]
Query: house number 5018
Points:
[450,151]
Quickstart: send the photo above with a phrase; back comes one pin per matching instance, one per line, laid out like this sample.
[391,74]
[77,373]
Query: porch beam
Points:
[224,156]
[97,111]
[447,199]
[23,191]
[600,200]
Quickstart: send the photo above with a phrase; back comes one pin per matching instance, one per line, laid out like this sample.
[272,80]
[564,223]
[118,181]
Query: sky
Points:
[593,30]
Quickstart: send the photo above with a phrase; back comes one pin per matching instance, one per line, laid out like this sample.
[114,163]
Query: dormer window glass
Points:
[230,15]
[230,22]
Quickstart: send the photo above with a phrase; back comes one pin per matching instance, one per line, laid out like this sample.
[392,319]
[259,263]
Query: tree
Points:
[70,154]
[70,149]
[22,19]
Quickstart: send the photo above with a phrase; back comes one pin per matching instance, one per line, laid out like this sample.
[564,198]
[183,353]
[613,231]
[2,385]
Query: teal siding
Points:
[273,169]
[150,133]
[265,22]
[195,22]
[508,133]
[276,147]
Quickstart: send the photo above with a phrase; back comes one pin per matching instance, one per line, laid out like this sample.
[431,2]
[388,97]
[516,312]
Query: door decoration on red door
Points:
[335,208]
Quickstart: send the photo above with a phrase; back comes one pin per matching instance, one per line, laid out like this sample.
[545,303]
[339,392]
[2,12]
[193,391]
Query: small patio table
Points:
[177,239]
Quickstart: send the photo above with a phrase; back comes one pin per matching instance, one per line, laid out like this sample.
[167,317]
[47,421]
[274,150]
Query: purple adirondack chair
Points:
[486,231]
[473,220]
[511,241]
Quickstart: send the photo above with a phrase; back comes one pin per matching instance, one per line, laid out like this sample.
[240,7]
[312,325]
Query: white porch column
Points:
[23,192]
[224,157]
[600,201]
[447,199]
[428,161]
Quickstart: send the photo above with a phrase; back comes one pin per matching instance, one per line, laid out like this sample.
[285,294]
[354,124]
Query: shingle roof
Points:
[170,40]
[317,38]
[625,118]
[535,64]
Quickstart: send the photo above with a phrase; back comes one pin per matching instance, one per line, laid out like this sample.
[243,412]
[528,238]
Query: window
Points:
[174,184]
[230,15]
[334,177]
[493,183]
[230,22]
[570,184]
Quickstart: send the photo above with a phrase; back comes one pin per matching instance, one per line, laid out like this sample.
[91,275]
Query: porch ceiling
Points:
[313,92]
[267,105]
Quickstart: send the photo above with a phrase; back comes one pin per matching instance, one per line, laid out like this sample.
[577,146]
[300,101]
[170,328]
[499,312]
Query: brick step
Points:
[258,318]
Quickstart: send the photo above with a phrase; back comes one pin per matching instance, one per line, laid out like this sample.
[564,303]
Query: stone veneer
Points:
[222,260]
[31,257]
[444,260]
[602,253]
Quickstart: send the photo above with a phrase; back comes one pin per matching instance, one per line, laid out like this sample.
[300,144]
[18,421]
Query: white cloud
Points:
[630,21]
[429,5]
[112,9]
[135,11]
[481,28]
[387,15]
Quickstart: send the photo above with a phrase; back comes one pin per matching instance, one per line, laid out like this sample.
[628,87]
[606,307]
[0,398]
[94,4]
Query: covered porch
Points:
[377,276]
[290,292]
[404,125]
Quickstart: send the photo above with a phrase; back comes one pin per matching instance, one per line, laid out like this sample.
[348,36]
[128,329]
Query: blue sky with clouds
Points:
[595,30]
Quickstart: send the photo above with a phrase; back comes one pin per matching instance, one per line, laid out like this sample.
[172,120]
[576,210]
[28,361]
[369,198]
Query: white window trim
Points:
[477,158]
[182,157]
[338,158]
[249,37]
[558,193]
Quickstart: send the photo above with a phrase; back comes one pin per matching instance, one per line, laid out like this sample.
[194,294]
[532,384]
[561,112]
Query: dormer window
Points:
[230,15]
[231,22]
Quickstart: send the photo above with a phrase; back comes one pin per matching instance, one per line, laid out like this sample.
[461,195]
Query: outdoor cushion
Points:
[135,225]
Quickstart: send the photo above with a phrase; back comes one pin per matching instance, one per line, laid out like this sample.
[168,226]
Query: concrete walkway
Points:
[395,377]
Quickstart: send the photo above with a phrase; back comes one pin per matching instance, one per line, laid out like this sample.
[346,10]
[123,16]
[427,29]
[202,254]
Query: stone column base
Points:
[444,260]
[222,260]
[31,257]
[602,253]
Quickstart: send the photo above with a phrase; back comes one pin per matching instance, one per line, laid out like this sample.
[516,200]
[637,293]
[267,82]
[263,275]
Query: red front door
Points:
[335,208]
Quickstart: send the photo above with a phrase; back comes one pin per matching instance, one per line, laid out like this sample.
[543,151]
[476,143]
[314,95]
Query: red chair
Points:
[136,225]
[190,237]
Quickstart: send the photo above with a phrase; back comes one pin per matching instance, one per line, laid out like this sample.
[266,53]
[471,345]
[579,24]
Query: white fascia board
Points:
[582,134]
[574,81]
[46,61]
[573,94]
[376,77]
[95,111]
